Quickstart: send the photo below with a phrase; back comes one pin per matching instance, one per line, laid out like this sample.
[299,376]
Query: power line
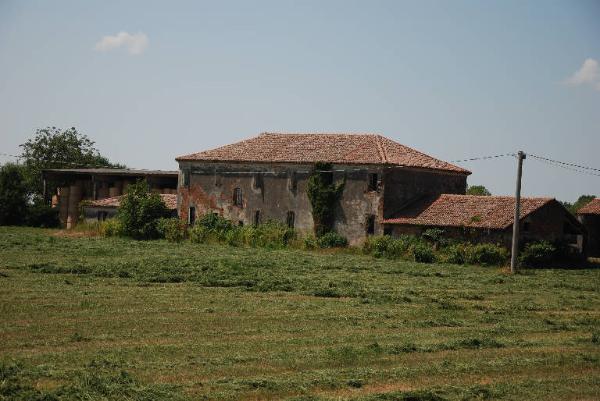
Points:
[564,163]
[564,166]
[483,158]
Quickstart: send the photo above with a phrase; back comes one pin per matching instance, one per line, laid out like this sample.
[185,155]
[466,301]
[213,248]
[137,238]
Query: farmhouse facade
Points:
[265,178]
[589,216]
[489,219]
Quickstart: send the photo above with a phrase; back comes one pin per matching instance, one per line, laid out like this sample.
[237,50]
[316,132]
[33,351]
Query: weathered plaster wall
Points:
[275,189]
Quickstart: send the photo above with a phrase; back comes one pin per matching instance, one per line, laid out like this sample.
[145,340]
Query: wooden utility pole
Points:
[515,238]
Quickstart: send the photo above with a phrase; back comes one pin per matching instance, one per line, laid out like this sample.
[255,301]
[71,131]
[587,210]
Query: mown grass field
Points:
[112,319]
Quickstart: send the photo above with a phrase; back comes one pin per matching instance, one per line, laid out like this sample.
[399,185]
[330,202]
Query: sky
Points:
[149,81]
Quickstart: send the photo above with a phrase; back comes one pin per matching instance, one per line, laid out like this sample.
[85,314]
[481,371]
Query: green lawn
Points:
[113,319]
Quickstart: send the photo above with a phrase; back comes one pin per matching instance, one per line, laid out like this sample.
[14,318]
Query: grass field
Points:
[113,319]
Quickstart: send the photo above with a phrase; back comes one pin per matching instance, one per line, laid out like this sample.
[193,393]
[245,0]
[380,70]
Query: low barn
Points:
[102,209]
[265,178]
[488,219]
[589,216]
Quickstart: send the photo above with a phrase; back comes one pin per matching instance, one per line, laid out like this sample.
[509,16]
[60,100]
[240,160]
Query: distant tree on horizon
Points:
[478,190]
[579,203]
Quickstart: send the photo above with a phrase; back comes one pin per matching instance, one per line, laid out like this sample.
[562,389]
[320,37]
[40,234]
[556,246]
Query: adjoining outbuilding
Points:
[102,209]
[589,216]
[265,177]
[489,219]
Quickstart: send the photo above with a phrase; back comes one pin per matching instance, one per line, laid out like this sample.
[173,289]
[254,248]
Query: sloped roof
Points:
[169,199]
[328,147]
[495,212]
[110,171]
[593,207]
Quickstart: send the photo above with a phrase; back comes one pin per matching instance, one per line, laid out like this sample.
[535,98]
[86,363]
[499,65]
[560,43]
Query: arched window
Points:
[291,217]
[237,197]
[257,217]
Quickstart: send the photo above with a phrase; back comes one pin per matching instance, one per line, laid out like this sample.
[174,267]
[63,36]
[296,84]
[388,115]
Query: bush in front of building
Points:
[111,228]
[422,252]
[384,246]
[40,214]
[140,212]
[172,229]
[332,240]
[486,255]
[538,254]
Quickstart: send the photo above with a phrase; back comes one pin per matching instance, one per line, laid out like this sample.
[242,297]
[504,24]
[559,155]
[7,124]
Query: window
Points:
[186,178]
[291,217]
[327,177]
[372,181]
[370,224]
[237,197]
[192,216]
[257,217]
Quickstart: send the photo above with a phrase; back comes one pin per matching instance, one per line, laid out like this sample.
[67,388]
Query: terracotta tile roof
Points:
[495,212]
[592,207]
[169,199]
[332,148]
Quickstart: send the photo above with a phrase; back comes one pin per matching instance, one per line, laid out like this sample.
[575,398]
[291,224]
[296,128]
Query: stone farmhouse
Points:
[489,219]
[265,177]
[589,216]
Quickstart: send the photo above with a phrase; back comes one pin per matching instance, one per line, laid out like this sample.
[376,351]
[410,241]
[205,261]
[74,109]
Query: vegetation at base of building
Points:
[324,194]
[478,190]
[431,246]
[173,229]
[140,212]
[332,240]
[114,318]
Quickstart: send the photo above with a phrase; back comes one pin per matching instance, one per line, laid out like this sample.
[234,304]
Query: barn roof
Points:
[327,147]
[115,201]
[494,212]
[593,207]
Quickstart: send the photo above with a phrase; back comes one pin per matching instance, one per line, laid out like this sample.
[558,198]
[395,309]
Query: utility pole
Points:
[515,238]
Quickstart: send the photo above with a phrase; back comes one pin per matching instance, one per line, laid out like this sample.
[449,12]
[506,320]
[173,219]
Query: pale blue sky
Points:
[454,79]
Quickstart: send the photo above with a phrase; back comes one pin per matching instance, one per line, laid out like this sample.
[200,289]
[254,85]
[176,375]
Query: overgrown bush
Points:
[332,240]
[172,229]
[323,195]
[310,242]
[422,253]
[456,253]
[140,212]
[199,234]
[39,214]
[111,228]
[272,234]
[538,254]
[486,255]
[387,247]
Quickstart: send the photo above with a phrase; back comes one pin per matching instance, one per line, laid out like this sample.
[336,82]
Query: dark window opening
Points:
[240,223]
[526,227]
[186,178]
[291,217]
[237,197]
[327,177]
[192,216]
[371,224]
[373,180]
[387,230]
[257,217]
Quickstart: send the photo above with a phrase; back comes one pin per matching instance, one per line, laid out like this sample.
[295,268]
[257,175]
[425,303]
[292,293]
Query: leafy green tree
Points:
[478,190]
[52,147]
[13,195]
[579,203]
[140,212]
[324,195]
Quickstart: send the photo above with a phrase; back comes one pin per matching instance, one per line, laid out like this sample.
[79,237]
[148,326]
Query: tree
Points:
[478,190]
[52,147]
[579,203]
[13,195]
[140,212]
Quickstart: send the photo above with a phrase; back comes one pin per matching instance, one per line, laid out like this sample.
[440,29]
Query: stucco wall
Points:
[275,189]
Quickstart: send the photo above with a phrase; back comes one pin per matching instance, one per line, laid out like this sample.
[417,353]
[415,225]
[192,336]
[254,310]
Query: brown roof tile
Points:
[332,148]
[169,199]
[495,212]
[593,207]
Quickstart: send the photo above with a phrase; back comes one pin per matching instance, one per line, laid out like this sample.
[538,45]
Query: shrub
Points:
[140,212]
[385,246]
[422,253]
[13,194]
[310,242]
[456,254]
[172,229]
[272,234]
[111,228]
[538,254]
[199,234]
[40,214]
[434,235]
[332,240]
[486,255]
[323,196]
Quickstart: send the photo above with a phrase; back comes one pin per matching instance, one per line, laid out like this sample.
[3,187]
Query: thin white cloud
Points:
[135,44]
[588,74]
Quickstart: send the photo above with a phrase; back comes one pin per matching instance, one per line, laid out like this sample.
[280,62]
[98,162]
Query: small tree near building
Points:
[478,190]
[13,195]
[140,212]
